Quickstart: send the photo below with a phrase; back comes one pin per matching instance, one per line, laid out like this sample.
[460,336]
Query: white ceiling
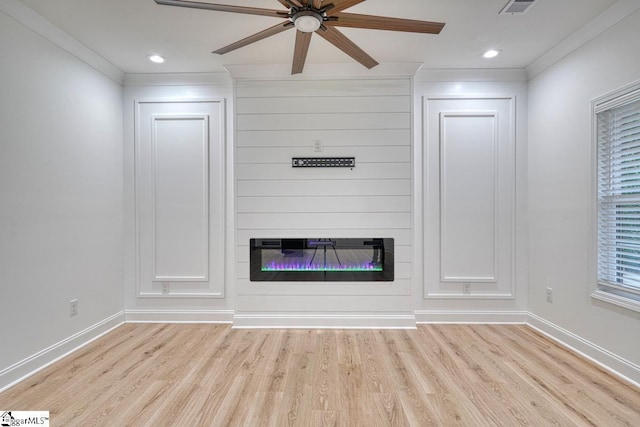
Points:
[125,31]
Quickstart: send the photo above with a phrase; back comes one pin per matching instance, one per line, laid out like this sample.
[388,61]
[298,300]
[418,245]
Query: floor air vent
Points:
[517,7]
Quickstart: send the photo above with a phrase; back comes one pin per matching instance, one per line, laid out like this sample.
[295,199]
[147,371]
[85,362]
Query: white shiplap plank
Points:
[370,187]
[333,221]
[308,88]
[388,291]
[401,236]
[327,137]
[402,270]
[377,154]
[324,104]
[327,204]
[323,121]
[246,171]
[403,253]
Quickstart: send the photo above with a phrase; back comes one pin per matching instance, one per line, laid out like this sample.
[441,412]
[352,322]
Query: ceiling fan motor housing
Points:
[307,21]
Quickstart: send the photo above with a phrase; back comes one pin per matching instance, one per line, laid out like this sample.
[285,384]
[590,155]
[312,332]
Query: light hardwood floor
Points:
[212,375]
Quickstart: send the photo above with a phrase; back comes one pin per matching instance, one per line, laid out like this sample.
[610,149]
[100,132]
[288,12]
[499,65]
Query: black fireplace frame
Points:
[384,245]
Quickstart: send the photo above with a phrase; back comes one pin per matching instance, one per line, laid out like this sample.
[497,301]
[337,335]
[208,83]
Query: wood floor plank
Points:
[547,365]
[325,368]
[376,379]
[213,375]
[414,401]
[507,385]
[297,397]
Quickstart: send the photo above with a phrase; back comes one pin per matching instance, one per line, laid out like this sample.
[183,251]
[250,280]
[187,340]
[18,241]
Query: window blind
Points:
[618,136]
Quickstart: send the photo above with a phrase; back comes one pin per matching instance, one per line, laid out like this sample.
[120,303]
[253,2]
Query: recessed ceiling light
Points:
[491,53]
[156,58]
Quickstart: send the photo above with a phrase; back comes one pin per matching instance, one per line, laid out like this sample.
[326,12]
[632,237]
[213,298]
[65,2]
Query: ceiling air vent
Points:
[517,6]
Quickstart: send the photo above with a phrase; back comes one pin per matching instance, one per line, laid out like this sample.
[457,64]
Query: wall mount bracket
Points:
[323,162]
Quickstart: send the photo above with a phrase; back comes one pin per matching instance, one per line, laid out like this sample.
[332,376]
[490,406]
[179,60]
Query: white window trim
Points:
[610,100]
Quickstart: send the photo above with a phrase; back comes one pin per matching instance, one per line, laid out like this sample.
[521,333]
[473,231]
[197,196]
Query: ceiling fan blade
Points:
[288,3]
[256,37]
[340,5]
[354,20]
[317,4]
[223,8]
[300,53]
[338,39]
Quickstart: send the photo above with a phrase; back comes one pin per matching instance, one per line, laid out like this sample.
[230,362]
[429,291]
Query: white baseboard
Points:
[470,316]
[323,321]
[40,360]
[178,316]
[613,363]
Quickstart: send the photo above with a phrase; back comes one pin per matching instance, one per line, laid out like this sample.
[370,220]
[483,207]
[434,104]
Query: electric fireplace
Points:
[322,259]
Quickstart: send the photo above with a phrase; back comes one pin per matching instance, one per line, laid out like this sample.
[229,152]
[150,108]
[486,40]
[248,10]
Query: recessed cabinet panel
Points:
[468,197]
[180,165]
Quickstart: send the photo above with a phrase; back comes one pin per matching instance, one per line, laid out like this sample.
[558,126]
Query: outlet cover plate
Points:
[73,307]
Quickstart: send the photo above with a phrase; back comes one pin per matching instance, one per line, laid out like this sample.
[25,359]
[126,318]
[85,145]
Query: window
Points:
[617,134]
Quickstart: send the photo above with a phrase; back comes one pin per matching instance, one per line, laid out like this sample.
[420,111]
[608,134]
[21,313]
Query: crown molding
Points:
[322,71]
[38,24]
[471,75]
[178,79]
[593,29]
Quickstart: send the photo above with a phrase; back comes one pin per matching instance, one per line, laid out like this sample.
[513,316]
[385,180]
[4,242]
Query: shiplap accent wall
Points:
[367,119]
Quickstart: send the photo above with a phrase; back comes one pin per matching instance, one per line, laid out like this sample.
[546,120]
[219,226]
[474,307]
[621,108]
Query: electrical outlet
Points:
[317,146]
[165,288]
[466,288]
[73,307]
[549,295]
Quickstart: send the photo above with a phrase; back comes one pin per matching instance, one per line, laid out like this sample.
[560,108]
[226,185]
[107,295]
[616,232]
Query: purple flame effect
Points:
[290,266]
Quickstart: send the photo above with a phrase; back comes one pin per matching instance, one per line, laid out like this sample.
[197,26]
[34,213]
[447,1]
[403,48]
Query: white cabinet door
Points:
[469,197]
[179,198]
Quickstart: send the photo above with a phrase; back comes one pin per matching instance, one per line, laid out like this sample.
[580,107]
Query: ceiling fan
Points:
[315,16]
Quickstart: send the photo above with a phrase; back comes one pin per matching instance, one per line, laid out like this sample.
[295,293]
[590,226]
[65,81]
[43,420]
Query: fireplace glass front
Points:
[322,259]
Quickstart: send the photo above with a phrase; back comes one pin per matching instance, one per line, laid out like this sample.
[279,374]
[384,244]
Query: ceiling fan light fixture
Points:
[307,21]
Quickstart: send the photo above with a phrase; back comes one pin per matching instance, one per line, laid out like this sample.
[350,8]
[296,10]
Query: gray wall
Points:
[60,192]
[561,191]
